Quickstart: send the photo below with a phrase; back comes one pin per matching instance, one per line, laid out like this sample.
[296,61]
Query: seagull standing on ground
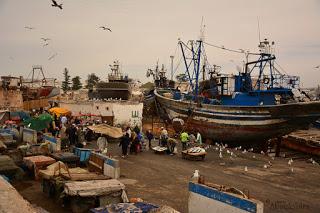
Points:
[105,28]
[55,4]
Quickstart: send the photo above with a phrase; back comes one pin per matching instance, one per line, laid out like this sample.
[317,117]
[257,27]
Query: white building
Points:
[115,111]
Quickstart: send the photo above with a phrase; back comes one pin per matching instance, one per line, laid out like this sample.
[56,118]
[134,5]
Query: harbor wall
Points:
[127,113]
[11,99]
[36,104]
[204,199]
[122,112]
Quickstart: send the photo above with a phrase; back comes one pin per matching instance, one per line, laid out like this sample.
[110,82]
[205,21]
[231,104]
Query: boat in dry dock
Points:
[240,108]
[117,87]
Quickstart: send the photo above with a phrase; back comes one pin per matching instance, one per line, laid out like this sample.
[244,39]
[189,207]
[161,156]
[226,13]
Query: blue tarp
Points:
[139,207]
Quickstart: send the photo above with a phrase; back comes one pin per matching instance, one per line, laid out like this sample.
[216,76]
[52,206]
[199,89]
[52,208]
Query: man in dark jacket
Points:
[124,143]
[150,137]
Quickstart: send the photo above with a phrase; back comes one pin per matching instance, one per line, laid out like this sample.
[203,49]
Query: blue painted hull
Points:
[317,124]
[239,124]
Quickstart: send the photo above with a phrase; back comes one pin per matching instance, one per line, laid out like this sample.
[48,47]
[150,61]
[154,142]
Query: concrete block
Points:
[111,168]
[29,136]
[55,143]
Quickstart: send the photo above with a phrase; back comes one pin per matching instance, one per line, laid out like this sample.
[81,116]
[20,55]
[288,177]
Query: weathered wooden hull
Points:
[307,141]
[239,124]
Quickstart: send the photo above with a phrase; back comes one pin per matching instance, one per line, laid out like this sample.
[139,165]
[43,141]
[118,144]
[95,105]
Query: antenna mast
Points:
[259,29]
[202,30]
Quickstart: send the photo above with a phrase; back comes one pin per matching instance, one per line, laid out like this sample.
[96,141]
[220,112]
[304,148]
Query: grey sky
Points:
[144,31]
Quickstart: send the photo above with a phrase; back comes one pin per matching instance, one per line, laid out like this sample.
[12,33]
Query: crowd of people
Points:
[132,140]
[73,132]
[170,143]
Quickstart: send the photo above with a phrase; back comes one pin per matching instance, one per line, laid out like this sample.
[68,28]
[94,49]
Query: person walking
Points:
[102,143]
[199,138]
[163,137]
[124,143]
[150,137]
[133,144]
[72,131]
[171,145]
[128,130]
[184,137]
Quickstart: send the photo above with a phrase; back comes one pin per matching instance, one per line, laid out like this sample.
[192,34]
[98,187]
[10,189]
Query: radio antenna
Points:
[258,29]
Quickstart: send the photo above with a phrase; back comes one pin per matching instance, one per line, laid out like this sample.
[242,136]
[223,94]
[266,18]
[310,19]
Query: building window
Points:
[135,114]
[107,108]
[97,107]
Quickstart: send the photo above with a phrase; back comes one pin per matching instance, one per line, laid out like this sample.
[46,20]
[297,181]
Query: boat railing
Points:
[278,81]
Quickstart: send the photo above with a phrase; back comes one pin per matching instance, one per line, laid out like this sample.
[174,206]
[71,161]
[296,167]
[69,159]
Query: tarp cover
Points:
[39,123]
[60,111]
[19,115]
[93,187]
[59,168]
[139,207]
[106,129]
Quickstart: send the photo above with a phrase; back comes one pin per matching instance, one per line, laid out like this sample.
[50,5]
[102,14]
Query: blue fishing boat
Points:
[254,105]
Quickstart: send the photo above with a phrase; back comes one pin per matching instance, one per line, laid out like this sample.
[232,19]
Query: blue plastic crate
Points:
[83,154]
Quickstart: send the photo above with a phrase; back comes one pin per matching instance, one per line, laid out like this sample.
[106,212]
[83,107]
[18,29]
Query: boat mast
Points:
[171,57]
[186,64]
[198,69]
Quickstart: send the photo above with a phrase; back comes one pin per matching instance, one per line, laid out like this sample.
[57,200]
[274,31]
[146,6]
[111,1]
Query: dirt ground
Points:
[163,180]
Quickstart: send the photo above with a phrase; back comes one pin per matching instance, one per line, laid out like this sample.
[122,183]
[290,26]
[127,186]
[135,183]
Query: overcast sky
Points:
[144,31]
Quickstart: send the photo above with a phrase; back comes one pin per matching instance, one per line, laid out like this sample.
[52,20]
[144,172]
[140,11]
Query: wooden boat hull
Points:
[253,124]
[307,141]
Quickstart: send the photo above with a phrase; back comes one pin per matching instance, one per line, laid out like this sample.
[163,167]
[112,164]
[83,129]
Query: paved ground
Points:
[163,179]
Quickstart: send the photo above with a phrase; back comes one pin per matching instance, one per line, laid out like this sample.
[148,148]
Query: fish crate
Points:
[83,154]
[68,158]
[35,163]
[84,195]
[96,162]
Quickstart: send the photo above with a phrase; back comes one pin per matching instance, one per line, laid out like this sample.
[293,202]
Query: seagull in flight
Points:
[29,28]
[55,4]
[46,44]
[51,57]
[105,28]
[317,67]
[45,39]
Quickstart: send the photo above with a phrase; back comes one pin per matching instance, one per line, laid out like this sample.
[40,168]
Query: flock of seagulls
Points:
[223,148]
[46,40]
